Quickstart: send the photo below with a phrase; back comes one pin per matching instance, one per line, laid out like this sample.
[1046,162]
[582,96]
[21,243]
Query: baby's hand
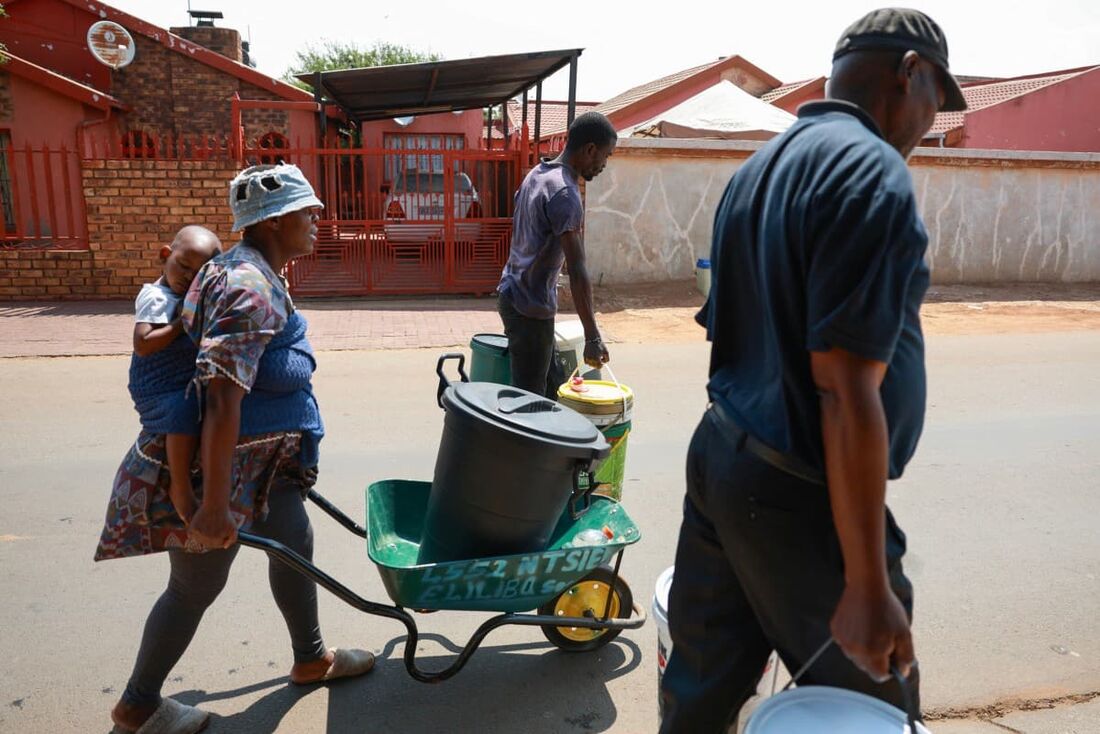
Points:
[183,499]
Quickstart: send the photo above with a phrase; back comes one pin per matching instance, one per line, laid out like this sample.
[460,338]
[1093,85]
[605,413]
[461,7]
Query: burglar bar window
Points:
[397,165]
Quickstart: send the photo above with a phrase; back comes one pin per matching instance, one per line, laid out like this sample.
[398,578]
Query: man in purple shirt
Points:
[546,233]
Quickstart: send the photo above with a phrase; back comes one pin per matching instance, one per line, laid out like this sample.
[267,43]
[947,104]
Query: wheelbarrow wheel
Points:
[588,598]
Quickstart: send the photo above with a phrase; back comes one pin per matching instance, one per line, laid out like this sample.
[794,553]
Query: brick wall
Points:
[169,93]
[133,208]
[224,41]
[258,122]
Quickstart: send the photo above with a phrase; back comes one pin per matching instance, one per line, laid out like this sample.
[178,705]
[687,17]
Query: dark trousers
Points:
[196,580]
[758,567]
[532,351]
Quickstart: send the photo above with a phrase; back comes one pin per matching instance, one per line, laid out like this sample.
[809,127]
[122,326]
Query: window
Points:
[272,141]
[6,196]
[425,162]
[139,144]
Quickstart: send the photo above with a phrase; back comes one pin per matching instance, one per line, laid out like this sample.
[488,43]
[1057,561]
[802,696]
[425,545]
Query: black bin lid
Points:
[524,412]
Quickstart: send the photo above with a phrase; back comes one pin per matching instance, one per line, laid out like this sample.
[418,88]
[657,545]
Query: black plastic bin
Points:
[508,466]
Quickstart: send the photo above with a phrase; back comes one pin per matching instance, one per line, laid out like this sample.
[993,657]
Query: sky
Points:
[630,43]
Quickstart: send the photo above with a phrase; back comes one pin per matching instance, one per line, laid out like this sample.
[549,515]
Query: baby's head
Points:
[189,251]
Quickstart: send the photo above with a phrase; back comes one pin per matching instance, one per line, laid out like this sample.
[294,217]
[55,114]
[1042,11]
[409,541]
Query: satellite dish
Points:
[404,121]
[111,44]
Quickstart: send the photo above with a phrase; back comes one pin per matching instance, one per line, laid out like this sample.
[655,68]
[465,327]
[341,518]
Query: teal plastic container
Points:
[489,360]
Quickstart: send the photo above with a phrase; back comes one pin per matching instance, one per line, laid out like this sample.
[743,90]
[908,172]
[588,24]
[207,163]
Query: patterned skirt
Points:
[141,518]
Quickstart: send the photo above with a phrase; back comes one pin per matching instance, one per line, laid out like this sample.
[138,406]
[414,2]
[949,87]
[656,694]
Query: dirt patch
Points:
[664,312]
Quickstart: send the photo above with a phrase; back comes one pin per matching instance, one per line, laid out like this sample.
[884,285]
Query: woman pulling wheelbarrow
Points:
[258,458]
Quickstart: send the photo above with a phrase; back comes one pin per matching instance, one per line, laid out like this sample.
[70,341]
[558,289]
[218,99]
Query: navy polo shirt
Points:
[817,244]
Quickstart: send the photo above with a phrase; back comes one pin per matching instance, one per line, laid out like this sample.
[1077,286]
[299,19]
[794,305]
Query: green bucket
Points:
[489,360]
[611,471]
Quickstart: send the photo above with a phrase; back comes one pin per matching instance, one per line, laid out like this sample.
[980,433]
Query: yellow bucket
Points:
[610,407]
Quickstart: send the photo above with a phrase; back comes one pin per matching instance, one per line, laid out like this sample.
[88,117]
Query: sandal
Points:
[345,664]
[170,717]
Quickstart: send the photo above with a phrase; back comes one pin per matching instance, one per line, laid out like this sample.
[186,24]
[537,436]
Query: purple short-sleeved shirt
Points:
[548,205]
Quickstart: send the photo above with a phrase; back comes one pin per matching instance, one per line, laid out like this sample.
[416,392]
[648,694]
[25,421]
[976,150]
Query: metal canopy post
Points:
[523,131]
[319,98]
[572,89]
[489,129]
[538,120]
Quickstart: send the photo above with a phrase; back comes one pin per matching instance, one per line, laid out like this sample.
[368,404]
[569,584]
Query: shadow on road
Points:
[503,688]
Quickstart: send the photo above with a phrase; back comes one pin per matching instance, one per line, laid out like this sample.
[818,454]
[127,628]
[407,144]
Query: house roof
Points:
[192,50]
[783,90]
[981,95]
[555,114]
[636,95]
[379,92]
[60,84]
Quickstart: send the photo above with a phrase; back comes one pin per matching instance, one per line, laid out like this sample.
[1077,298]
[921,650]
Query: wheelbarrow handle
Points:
[444,383]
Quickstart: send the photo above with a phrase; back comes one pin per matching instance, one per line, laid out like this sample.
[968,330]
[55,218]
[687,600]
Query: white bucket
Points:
[825,710]
[702,276]
[664,638]
[768,680]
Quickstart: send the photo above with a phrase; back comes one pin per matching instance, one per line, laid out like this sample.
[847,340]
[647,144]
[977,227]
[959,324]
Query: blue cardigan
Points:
[280,400]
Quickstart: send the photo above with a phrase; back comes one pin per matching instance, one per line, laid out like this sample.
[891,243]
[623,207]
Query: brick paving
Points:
[105,327]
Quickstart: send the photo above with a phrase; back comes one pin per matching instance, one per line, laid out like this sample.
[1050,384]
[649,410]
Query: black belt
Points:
[759,449]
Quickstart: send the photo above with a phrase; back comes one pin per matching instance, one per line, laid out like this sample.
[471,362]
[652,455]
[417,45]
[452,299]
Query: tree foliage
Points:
[329,55]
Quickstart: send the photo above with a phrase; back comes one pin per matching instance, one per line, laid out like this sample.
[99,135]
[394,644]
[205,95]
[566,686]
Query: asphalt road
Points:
[1000,506]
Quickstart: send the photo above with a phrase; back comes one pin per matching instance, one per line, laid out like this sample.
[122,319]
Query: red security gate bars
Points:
[41,197]
[403,222]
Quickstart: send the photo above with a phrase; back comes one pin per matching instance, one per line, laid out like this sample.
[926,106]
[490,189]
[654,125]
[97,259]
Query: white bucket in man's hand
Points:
[827,710]
[768,680]
[664,638]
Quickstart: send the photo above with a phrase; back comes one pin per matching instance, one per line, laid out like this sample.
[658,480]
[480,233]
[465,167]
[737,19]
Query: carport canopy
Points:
[381,92]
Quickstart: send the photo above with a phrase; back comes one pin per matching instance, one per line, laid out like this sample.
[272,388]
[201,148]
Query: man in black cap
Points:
[817,392]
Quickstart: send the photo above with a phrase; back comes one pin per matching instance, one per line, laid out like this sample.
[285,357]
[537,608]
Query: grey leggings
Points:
[197,579]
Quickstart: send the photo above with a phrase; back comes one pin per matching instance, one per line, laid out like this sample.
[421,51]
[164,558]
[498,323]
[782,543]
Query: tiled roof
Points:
[979,96]
[554,114]
[642,91]
[639,92]
[784,89]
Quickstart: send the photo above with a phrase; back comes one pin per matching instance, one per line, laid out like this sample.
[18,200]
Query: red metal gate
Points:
[400,222]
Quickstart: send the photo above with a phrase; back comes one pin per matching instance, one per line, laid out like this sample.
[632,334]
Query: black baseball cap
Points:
[902,29]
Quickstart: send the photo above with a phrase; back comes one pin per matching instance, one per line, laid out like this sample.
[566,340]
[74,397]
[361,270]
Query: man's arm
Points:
[150,338]
[869,623]
[580,286]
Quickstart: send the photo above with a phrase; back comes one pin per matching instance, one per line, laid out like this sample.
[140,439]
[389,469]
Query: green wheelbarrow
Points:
[582,603]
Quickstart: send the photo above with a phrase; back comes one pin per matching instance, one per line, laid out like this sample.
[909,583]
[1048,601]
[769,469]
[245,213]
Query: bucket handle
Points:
[581,499]
[444,383]
[911,716]
[619,387]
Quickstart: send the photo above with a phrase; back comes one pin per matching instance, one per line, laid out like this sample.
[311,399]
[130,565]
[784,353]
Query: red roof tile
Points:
[554,114]
[642,91]
[981,95]
[784,89]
